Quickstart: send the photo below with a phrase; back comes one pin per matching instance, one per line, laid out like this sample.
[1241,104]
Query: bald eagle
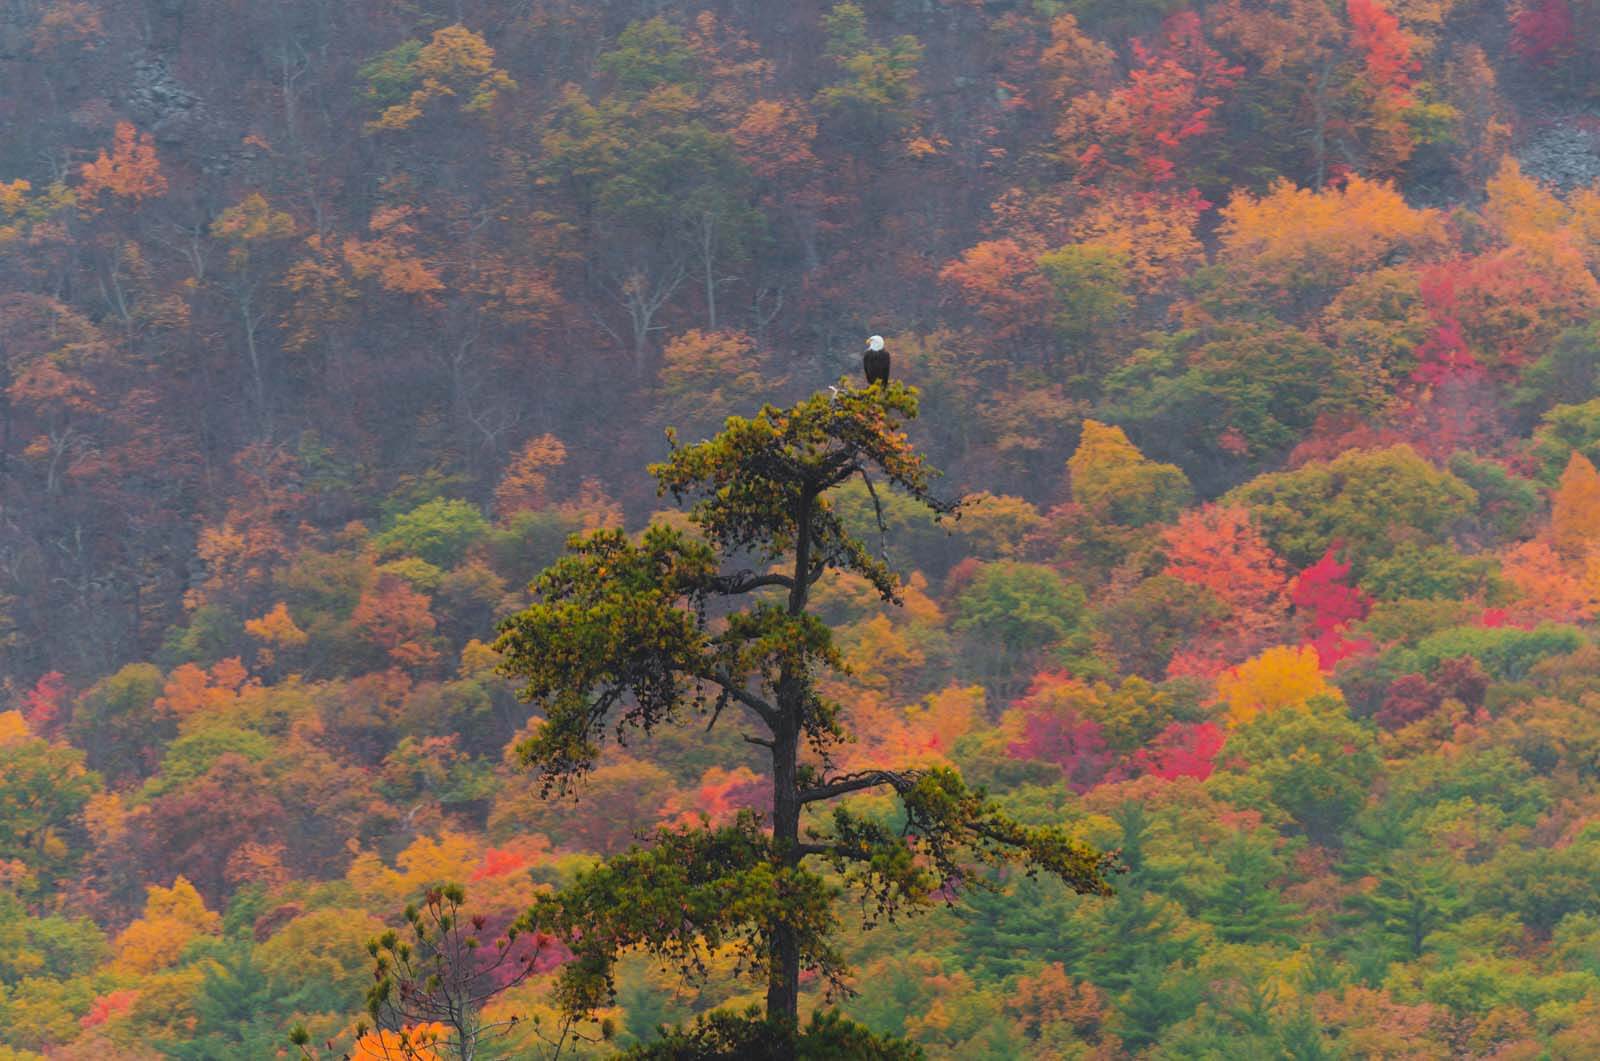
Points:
[875,362]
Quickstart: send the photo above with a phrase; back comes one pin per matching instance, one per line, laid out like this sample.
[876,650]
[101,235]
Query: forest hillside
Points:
[1259,341]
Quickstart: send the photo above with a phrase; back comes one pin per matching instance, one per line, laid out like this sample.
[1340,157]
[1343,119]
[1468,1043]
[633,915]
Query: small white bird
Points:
[833,392]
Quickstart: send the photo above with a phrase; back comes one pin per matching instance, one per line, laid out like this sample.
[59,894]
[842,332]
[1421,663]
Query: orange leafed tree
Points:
[130,171]
[390,259]
[944,717]
[1219,548]
[1001,280]
[526,480]
[774,139]
[416,1043]
[191,691]
[1550,586]
[397,619]
[1052,998]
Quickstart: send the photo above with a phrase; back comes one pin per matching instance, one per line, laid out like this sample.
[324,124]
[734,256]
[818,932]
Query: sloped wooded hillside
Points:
[1262,338]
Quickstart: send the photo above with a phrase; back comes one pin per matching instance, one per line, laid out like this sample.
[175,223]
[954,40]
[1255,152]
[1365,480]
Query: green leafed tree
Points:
[681,628]
[1408,899]
[1091,287]
[875,93]
[438,531]
[1022,614]
[240,1010]
[1244,904]
[44,787]
[1370,501]
[1311,760]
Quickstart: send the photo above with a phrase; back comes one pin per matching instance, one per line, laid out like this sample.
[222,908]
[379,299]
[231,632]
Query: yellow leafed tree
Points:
[456,63]
[173,917]
[13,728]
[1296,238]
[277,627]
[1575,508]
[1115,483]
[1279,677]
[1545,230]
[427,862]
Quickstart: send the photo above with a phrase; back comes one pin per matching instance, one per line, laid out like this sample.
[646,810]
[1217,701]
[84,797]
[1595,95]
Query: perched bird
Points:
[875,362]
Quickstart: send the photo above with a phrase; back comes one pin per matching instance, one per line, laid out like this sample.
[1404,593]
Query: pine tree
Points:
[241,1011]
[1410,897]
[1156,998]
[671,628]
[1013,929]
[1244,905]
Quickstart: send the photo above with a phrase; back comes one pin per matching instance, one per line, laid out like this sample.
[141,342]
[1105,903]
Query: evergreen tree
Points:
[1155,999]
[1411,898]
[1135,930]
[1018,927]
[673,627]
[1244,905]
[241,1012]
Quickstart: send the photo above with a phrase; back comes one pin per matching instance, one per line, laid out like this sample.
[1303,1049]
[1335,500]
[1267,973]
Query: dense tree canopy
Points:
[1259,341]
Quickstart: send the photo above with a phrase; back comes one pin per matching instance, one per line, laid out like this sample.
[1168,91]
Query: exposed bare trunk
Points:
[783,980]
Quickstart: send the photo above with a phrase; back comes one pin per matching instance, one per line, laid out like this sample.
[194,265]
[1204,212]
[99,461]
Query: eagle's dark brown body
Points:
[875,363]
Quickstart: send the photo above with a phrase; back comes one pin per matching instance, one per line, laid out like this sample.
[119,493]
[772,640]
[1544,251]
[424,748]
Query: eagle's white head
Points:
[875,343]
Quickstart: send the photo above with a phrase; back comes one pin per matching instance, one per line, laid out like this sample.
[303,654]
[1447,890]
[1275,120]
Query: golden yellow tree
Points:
[1575,508]
[1279,677]
[1300,240]
[173,918]
[455,63]
[1115,483]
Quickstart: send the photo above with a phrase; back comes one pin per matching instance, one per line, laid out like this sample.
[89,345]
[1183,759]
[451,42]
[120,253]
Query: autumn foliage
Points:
[1261,340]
[129,171]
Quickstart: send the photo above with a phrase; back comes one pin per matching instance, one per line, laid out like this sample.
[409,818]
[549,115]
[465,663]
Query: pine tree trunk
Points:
[783,978]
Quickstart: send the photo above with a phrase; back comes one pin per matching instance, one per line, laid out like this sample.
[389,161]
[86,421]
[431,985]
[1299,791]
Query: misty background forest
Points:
[1258,340]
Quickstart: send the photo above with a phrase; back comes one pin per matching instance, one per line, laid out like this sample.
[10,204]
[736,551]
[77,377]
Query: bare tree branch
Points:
[745,581]
[848,783]
[735,689]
